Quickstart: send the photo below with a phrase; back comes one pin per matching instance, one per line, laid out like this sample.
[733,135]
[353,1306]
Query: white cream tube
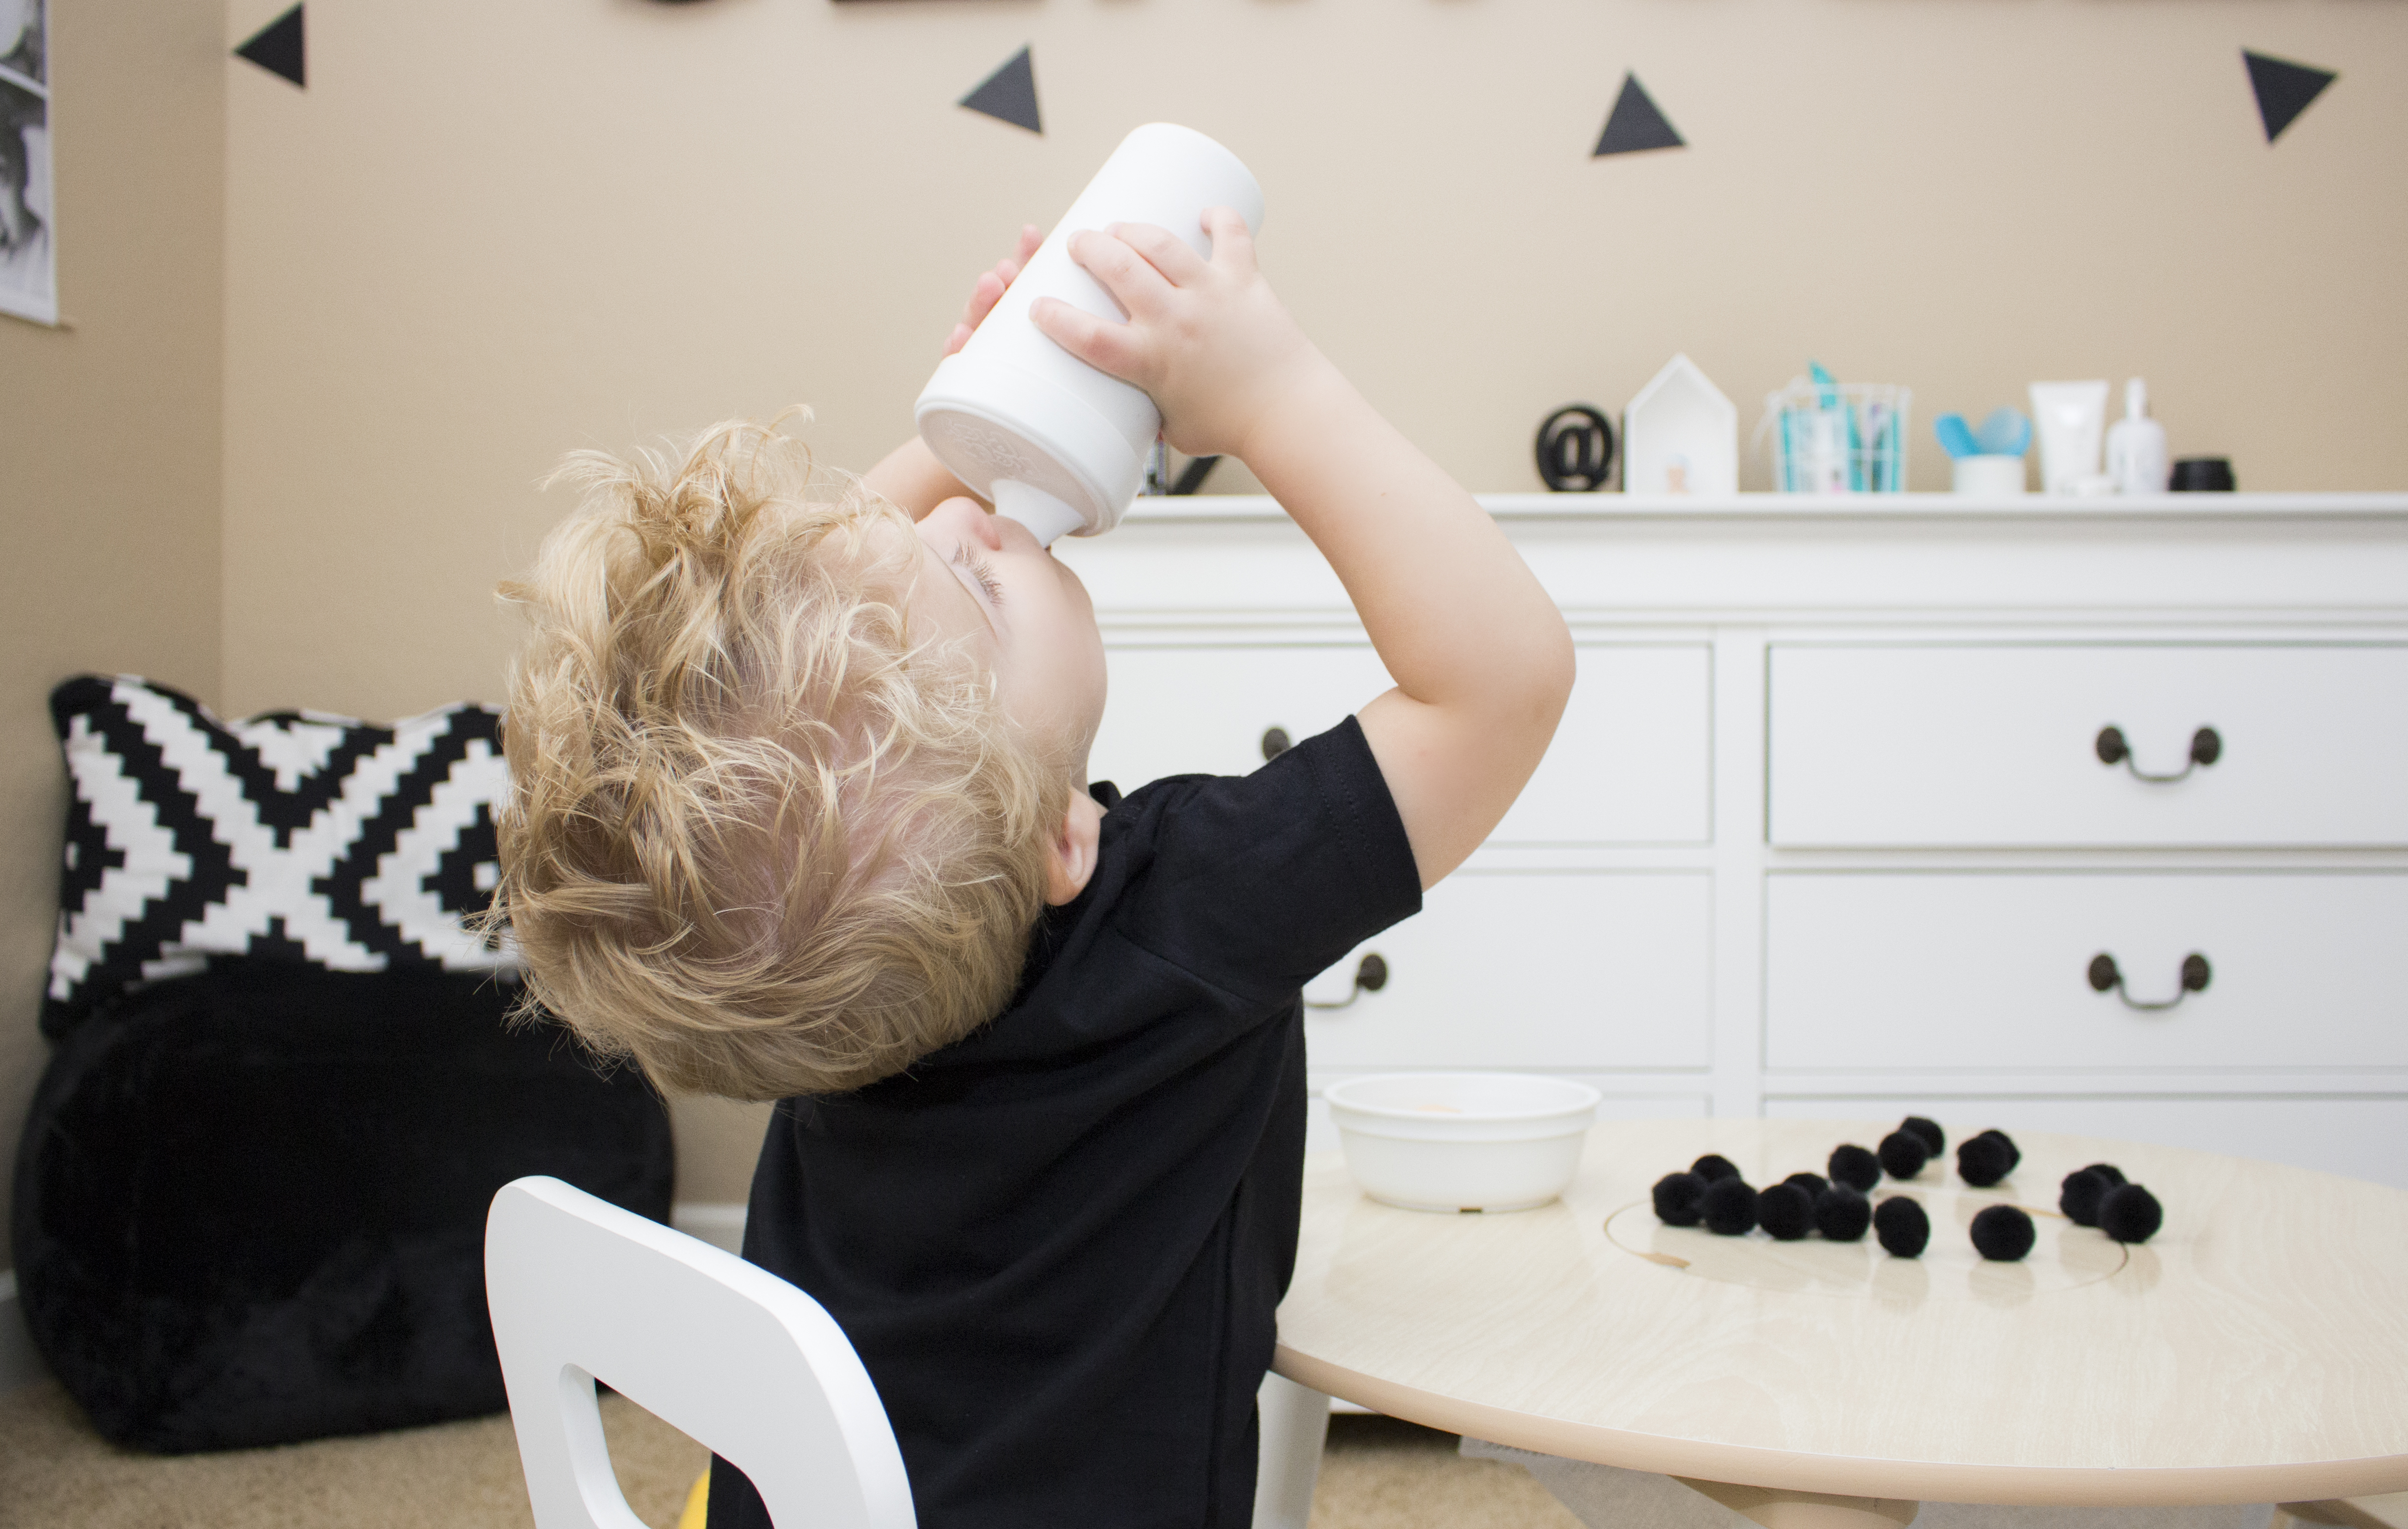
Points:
[2070,417]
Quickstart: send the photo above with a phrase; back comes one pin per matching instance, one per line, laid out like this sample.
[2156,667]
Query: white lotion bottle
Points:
[2069,418]
[1054,443]
[2136,445]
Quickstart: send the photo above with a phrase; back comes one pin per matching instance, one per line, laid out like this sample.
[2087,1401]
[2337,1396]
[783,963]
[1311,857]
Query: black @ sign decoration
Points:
[1575,449]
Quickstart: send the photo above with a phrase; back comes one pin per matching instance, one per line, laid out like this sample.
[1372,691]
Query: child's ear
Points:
[1073,858]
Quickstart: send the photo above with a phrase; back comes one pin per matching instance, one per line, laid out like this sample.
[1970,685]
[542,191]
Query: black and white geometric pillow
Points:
[292,835]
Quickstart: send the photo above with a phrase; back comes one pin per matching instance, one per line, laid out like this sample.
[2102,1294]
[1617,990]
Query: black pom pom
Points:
[1713,1167]
[1935,1141]
[1842,1214]
[2015,1154]
[2080,1195]
[1855,1167]
[2003,1233]
[1902,1155]
[1813,1183]
[1679,1199]
[2130,1214]
[1786,1211]
[2108,1173]
[1902,1226]
[1986,1159]
[1730,1206]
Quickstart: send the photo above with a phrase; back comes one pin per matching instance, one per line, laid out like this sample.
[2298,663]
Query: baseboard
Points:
[19,1363]
[722,1225]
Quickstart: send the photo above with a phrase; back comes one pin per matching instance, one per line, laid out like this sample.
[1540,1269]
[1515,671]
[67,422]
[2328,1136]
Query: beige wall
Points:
[491,232]
[109,438]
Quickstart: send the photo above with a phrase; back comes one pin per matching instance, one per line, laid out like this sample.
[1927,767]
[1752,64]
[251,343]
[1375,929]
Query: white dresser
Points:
[1831,827]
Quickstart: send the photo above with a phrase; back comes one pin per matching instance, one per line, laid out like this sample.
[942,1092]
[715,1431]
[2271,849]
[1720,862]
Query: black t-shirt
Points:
[1058,1244]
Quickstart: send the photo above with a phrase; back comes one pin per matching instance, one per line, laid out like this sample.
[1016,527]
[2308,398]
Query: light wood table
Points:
[2254,1350]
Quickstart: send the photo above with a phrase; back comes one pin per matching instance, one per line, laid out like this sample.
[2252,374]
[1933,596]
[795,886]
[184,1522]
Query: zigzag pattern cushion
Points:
[292,835]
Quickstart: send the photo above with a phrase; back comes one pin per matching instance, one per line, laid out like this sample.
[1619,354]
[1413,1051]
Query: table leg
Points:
[1775,1508]
[1293,1420]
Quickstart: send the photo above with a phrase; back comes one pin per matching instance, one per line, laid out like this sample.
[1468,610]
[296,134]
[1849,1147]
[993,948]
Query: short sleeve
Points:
[1259,882]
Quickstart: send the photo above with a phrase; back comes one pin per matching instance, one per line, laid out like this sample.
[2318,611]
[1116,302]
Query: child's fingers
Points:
[1106,346]
[1233,242]
[1135,284]
[1164,251]
[988,292]
[988,289]
[984,293]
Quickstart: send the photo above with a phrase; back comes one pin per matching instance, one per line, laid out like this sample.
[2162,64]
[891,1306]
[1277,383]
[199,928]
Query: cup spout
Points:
[1048,519]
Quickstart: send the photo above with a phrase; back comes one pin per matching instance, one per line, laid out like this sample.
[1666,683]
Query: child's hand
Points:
[988,290]
[1208,341]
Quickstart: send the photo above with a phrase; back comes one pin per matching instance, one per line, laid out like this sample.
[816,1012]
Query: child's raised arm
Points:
[1481,656]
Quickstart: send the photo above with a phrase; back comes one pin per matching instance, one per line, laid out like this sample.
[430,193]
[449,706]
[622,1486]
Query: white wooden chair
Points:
[737,1360]
[729,1353]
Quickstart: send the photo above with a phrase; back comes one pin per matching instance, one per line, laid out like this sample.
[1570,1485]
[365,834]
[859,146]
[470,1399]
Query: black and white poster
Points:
[29,286]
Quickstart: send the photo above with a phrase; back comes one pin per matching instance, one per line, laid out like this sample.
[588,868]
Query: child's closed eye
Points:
[979,570]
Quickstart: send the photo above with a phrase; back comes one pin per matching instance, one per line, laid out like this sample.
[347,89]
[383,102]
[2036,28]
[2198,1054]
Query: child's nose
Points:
[971,519]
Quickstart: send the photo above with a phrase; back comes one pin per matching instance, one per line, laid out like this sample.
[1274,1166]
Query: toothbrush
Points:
[1827,388]
[2006,432]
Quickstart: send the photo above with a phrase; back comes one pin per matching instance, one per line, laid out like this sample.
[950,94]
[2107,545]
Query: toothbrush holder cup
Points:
[1989,474]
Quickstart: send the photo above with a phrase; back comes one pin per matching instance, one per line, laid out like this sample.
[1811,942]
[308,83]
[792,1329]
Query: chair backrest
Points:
[730,1354]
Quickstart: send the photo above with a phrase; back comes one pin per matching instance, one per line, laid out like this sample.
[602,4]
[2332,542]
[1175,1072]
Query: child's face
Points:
[985,579]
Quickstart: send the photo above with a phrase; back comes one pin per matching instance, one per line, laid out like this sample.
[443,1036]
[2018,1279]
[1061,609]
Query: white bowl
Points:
[1462,1140]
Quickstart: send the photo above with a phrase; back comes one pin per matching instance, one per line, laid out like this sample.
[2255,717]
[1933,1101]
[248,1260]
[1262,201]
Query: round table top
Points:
[2255,1349]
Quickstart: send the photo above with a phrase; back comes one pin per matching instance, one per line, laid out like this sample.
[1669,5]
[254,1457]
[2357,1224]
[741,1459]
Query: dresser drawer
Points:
[1978,972]
[1630,762]
[2359,1134]
[1589,971]
[1980,745]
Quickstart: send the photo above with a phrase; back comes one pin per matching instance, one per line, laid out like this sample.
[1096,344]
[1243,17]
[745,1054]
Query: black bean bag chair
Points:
[251,1203]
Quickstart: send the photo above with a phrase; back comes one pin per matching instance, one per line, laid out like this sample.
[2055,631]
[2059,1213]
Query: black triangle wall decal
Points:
[1635,123]
[1009,94]
[277,48]
[2283,89]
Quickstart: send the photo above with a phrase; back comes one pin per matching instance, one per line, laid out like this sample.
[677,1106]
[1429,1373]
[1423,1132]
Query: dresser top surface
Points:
[1846,506]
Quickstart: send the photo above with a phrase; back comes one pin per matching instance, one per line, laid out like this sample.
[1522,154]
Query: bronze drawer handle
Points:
[1275,743]
[1370,976]
[2206,748]
[2195,976]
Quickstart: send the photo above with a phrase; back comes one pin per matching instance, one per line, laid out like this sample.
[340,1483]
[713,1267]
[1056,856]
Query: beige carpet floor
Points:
[55,1473]
[1382,1474]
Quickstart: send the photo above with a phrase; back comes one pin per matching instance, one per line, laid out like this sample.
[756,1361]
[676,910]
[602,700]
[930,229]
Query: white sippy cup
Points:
[1055,444]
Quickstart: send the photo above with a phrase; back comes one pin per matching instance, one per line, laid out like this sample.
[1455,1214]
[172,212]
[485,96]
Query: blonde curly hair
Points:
[757,839]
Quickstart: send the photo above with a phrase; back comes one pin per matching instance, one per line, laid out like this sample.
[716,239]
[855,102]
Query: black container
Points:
[2203,475]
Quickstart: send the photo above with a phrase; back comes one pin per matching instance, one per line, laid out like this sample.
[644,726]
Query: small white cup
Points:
[1989,474]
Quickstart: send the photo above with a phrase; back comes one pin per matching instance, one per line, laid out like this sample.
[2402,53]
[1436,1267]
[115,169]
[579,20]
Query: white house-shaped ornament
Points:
[1680,435]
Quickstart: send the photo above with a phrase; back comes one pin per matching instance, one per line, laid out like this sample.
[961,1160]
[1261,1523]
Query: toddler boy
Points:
[801,812]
